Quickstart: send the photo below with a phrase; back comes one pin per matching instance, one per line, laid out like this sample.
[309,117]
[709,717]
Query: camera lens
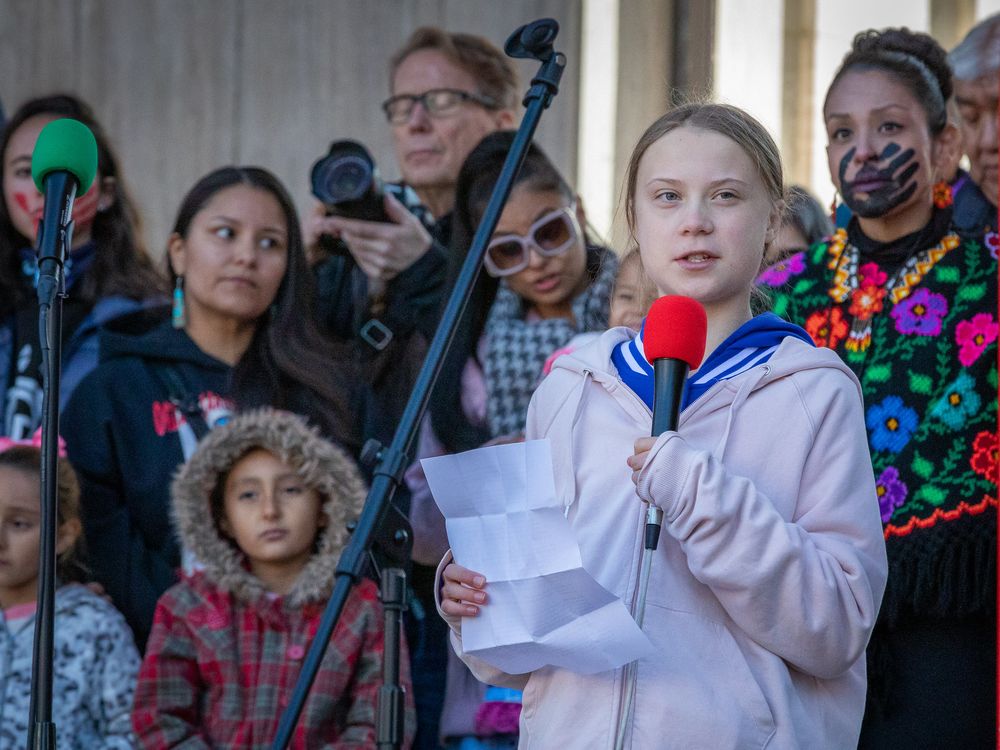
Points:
[347,181]
[347,178]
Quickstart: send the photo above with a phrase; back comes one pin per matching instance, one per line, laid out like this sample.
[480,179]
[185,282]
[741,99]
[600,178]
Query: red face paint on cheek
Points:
[85,209]
[23,202]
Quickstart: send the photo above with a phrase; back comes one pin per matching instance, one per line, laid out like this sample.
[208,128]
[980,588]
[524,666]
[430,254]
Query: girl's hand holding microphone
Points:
[462,592]
[637,460]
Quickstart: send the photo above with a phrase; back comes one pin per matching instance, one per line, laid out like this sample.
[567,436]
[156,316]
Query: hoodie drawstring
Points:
[749,384]
[567,449]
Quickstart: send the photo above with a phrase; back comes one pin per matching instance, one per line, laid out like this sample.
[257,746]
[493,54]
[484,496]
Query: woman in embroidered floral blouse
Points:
[910,303]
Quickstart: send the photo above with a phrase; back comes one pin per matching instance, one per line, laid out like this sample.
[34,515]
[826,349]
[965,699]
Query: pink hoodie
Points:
[770,568]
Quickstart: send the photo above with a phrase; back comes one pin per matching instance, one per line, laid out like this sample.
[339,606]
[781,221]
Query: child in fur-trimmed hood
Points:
[263,506]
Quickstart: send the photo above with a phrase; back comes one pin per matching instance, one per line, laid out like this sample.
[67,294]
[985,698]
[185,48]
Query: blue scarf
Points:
[751,344]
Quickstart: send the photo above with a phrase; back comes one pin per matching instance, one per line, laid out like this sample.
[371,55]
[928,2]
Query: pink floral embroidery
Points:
[870,273]
[973,336]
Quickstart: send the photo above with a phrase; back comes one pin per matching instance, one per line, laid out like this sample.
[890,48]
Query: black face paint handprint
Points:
[874,192]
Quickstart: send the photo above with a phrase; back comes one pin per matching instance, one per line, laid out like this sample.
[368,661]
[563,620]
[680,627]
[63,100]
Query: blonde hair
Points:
[741,128]
[723,119]
[494,73]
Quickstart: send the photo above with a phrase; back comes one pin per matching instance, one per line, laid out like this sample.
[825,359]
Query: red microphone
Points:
[674,343]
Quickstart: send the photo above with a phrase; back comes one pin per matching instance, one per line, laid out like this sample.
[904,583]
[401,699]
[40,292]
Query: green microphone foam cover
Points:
[65,146]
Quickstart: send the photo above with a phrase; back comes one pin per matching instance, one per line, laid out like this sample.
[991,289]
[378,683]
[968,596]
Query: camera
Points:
[347,182]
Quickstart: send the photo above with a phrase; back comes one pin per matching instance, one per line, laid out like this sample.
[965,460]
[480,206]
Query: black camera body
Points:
[346,181]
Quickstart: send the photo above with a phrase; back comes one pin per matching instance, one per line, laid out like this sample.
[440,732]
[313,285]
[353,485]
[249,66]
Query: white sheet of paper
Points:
[504,521]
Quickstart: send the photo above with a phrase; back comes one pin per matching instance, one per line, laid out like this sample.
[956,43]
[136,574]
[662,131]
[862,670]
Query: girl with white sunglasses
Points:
[542,284]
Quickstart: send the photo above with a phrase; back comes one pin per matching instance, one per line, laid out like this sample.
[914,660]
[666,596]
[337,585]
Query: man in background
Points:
[447,91]
[976,65]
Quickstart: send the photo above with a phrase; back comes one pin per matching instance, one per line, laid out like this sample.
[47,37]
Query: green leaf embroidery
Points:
[930,493]
[922,467]
[801,285]
[879,373]
[972,292]
[948,275]
[781,306]
[920,383]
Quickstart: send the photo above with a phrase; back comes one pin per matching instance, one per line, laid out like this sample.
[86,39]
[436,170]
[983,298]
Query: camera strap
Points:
[376,334]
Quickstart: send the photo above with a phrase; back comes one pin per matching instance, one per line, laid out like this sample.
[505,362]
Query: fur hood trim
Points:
[323,466]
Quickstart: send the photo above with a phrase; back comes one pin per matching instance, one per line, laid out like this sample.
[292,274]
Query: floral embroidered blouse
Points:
[917,322]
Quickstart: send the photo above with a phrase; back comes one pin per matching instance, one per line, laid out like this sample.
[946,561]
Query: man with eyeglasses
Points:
[447,91]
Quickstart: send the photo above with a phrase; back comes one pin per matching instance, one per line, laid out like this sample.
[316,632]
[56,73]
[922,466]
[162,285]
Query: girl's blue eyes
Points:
[671,196]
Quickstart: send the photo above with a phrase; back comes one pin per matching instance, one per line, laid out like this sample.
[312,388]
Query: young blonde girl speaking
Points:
[771,566]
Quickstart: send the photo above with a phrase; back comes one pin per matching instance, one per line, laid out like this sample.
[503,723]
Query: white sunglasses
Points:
[553,234]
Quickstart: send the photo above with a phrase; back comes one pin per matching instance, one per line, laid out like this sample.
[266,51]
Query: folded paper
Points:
[504,521]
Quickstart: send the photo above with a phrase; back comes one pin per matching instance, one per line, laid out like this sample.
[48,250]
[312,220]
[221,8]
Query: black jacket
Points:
[972,211]
[124,438]
[412,304]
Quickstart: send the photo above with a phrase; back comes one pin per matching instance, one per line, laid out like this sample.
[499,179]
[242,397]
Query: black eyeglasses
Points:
[437,102]
[553,234]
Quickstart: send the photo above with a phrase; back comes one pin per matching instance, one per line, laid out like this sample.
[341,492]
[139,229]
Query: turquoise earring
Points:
[177,311]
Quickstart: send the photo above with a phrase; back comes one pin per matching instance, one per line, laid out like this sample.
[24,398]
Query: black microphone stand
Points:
[533,41]
[51,291]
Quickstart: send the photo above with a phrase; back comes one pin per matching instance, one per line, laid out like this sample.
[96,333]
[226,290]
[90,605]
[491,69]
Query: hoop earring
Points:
[177,317]
[942,195]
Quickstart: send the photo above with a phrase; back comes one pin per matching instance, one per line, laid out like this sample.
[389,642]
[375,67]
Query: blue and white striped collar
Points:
[750,345]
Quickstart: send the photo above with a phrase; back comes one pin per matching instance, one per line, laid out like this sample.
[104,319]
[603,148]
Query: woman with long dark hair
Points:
[239,335]
[108,271]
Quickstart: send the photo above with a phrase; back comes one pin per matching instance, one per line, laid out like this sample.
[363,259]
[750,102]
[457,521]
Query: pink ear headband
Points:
[7,443]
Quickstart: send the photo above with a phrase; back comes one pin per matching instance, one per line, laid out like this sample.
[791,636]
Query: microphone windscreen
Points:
[65,146]
[675,329]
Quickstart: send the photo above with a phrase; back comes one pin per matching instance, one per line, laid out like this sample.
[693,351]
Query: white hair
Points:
[978,54]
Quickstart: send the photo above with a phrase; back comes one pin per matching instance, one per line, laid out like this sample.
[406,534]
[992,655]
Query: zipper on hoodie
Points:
[623,683]
[623,670]
[630,394]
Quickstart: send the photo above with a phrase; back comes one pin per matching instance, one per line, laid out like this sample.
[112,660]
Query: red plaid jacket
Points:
[218,672]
